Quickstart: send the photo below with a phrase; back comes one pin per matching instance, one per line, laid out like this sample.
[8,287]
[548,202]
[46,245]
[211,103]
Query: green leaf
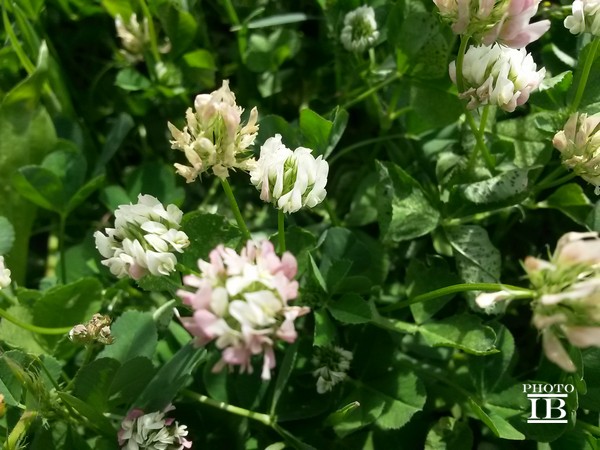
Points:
[510,187]
[449,434]
[171,377]
[300,242]
[120,128]
[315,131]
[422,278]
[92,382]
[200,59]
[350,309]
[571,201]
[67,305]
[363,209]
[130,79]
[390,402]
[28,91]
[7,235]
[179,25]
[491,372]
[84,192]
[270,125]
[205,232]
[498,424]
[15,336]
[477,260]
[41,186]
[10,385]
[284,371]
[135,335]
[591,94]
[340,121]
[95,418]
[405,212]
[464,331]
[156,179]
[324,329]
[112,196]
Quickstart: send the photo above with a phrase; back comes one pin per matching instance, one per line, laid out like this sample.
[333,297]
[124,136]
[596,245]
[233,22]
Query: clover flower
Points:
[214,136]
[498,75]
[97,329]
[144,237]
[152,431]
[4,274]
[489,21]
[579,146]
[241,302]
[134,36]
[333,363]
[585,17]
[289,179]
[567,295]
[360,29]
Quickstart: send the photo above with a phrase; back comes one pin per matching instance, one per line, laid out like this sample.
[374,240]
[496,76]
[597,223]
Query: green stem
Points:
[17,435]
[281,230]
[259,417]
[464,41]
[487,156]
[151,32]
[236,209]
[335,221]
[519,292]
[61,247]
[558,182]
[371,91]
[33,328]
[589,61]
[592,429]
[365,143]
[242,33]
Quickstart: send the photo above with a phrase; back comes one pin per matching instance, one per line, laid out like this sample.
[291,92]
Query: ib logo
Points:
[547,402]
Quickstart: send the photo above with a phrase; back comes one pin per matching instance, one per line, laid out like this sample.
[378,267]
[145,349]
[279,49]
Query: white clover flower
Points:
[289,179]
[489,21]
[498,75]
[152,431]
[579,146]
[214,137]
[134,36]
[585,17]
[333,363]
[144,237]
[241,302]
[4,274]
[360,29]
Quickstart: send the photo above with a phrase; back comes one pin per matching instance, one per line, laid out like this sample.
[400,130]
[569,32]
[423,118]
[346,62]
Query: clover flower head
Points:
[360,30]
[584,18]
[579,146]
[241,302]
[567,295]
[333,363]
[143,240]
[498,75]
[152,431]
[134,36]
[214,137]
[289,179]
[489,21]
[4,274]
[97,329]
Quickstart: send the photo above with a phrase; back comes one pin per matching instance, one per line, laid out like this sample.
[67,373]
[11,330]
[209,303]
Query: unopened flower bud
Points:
[579,146]
[360,30]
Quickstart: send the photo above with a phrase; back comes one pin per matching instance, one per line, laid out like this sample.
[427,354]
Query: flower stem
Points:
[17,435]
[236,209]
[371,91]
[33,328]
[589,61]
[464,287]
[262,418]
[242,32]
[61,248]
[478,132]
[281,230]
